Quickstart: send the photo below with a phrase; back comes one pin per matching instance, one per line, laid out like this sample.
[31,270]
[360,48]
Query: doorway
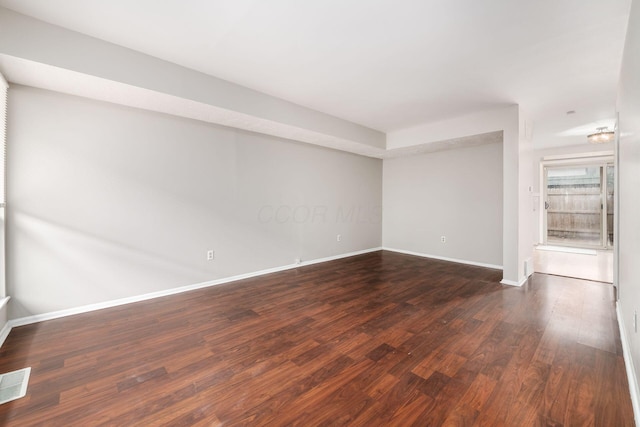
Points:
[578,205]
[576,217]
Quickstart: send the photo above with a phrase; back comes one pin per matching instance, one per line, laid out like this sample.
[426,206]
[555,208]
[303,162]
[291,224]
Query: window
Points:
[3,144]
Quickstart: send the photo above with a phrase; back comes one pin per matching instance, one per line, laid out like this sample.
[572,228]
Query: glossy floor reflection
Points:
[380,339]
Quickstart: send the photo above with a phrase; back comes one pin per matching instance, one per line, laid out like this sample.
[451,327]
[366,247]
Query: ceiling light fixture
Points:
[601,136]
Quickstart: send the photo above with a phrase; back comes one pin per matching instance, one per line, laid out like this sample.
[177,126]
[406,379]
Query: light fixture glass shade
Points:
[603,135]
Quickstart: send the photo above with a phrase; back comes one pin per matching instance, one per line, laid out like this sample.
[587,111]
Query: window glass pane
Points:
[574,213]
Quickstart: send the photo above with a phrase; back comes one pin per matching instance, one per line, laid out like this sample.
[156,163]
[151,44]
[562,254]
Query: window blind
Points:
[4,86]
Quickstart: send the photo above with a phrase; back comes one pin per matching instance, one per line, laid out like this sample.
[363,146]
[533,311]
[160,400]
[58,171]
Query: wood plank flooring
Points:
[377,339]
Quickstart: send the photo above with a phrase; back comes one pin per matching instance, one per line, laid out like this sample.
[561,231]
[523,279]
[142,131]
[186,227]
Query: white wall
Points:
[107,202]
[516,222]
[455,193]
[526,212]
[629,188]
[35,53]
[33,49]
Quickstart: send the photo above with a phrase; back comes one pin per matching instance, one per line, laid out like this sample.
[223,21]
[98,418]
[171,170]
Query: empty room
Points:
[360,213]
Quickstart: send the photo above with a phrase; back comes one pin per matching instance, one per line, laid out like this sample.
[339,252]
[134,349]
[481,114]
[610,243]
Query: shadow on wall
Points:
[112,202]
[102,266]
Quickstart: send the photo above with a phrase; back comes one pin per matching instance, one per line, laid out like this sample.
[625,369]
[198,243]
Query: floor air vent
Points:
[13,385]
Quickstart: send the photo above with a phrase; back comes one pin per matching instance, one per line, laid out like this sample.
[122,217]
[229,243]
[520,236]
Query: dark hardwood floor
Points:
[377,339]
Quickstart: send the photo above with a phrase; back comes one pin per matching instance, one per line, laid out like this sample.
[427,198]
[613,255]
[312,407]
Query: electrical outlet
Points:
[210,254]
[297,261]
[635,321]
[443,239]
[339,238]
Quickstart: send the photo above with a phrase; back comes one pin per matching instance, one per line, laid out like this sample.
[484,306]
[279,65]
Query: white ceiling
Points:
[381,63]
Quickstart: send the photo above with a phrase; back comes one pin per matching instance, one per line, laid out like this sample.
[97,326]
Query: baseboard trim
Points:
[628,363]
[335,257]
[513,282]
[441,258]
[122,301]
[4,333]
[6,328]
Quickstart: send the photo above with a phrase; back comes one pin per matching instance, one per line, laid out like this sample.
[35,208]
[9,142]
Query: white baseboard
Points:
[631,371]
[6,328]
[459,261]
[4,333]
[335,257]
[513,282]
[113,303]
